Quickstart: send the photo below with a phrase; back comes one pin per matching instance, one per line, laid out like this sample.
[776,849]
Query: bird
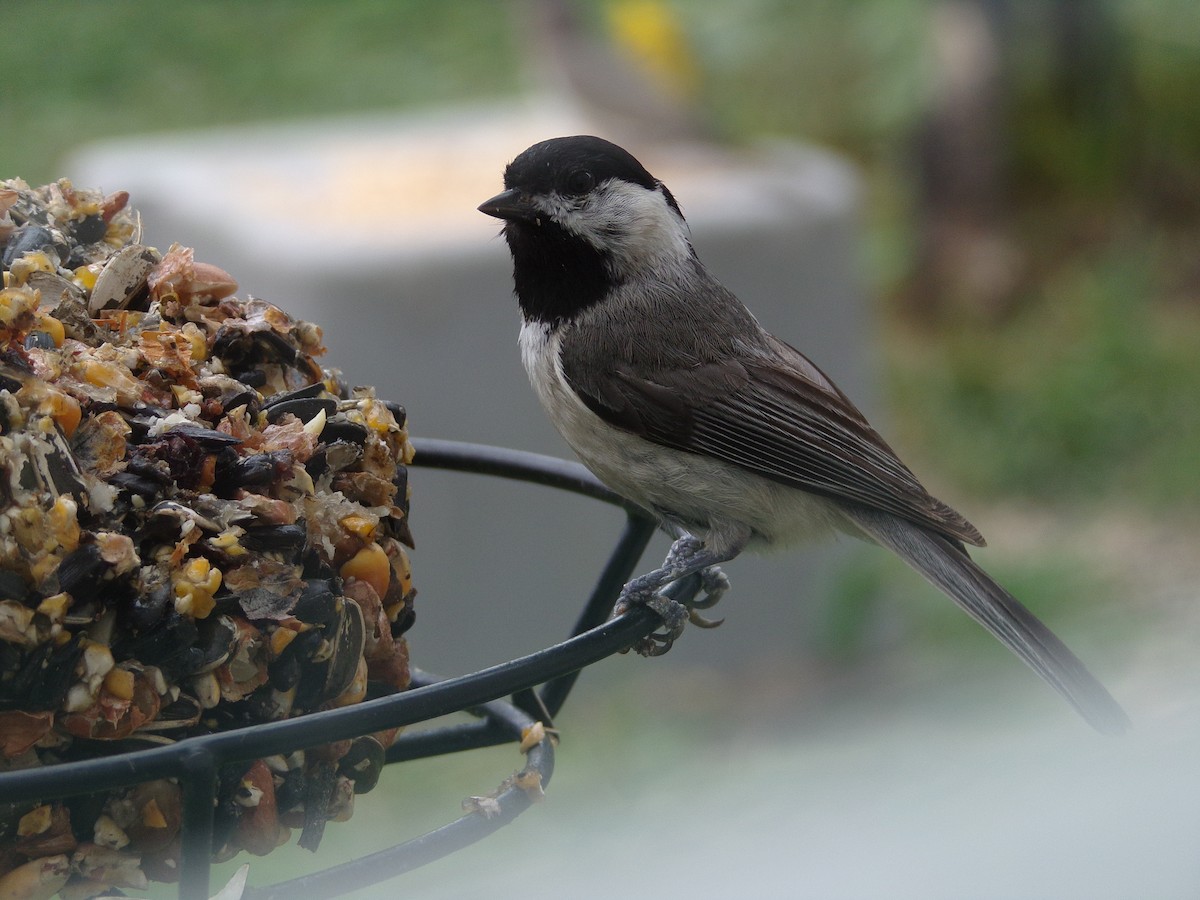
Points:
[668,389]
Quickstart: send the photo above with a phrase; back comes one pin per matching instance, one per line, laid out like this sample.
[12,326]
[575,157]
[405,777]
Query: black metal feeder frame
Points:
[507,698]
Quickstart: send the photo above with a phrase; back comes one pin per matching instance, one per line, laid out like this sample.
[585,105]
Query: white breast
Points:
[588,435]
[617,458]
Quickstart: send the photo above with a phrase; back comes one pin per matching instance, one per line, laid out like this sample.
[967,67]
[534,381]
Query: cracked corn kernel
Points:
[36,821]
[64,526]
[119,683]
[102,373]
[97,662]
[52,327]
[281,637]
[152,816]
[32,261]
[54,608]
[370,564]
[85,276]
[360,526]
[379,417]
[63,409]
[194,586]
[228,542]
[17,305]
[531,736]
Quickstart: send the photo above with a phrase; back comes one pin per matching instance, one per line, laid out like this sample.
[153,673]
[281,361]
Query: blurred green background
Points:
[1068,376]
[1031,225]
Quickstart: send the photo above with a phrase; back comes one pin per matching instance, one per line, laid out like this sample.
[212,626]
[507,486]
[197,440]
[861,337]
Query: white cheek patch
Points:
[636,227]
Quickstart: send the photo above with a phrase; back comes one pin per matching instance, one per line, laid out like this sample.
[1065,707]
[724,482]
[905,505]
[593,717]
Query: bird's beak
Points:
[510,205]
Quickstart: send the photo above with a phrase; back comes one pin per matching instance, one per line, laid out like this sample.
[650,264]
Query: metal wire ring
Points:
[195,761]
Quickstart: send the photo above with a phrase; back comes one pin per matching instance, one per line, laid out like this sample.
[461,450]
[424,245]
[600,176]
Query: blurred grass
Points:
[1086,394]
[77,71]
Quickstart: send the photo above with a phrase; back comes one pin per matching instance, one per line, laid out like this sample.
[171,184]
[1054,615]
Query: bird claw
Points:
[676,604]
[702,622]
[714,583]
[711,585]
[673,614]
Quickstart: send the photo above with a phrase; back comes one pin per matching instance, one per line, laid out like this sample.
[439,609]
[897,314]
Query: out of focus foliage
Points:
[1044,330]
[1075,376]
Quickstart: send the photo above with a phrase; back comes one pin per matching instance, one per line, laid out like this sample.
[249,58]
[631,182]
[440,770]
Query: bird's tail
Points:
[948,566]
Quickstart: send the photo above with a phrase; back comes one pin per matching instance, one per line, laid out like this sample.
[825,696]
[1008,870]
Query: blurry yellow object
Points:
[650,33]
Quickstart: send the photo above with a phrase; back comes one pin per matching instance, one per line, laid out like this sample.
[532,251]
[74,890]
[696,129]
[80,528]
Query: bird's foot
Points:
[711,585]
[688,580]
[674,616]
[676,603]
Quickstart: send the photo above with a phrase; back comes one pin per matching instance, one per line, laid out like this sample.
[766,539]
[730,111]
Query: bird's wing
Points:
[777,416]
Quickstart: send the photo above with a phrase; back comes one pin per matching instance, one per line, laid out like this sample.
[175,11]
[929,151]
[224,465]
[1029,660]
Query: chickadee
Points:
[670,391]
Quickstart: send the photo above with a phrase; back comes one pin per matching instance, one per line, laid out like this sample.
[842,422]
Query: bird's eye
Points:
[580,181]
